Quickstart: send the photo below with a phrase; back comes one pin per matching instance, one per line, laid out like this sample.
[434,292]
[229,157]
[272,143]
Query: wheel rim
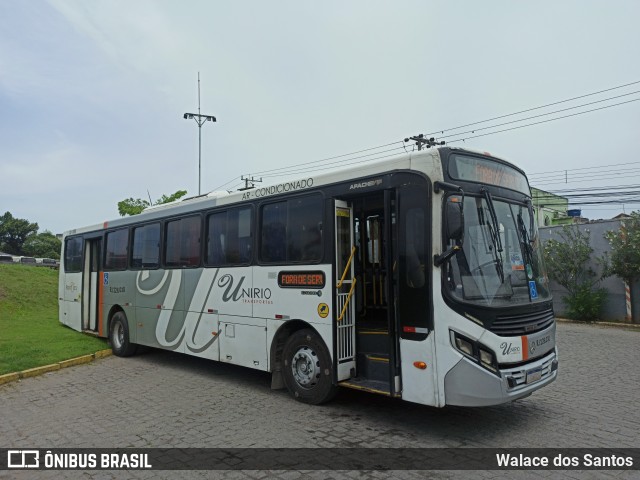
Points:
[305,367]
[118,335]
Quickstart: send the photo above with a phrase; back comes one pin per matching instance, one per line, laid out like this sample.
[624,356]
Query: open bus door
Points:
[90,284]
[365,266]
[344,310]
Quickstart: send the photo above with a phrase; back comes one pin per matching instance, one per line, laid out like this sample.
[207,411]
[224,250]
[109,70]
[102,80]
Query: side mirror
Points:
[454,223]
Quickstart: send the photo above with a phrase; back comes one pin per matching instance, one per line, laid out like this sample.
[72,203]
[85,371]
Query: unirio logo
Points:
[246,295]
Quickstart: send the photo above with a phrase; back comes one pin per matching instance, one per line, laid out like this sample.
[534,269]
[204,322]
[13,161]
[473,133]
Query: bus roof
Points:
[424,160]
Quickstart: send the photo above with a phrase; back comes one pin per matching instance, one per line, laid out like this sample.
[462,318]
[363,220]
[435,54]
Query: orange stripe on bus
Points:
[100,302]
[525,350]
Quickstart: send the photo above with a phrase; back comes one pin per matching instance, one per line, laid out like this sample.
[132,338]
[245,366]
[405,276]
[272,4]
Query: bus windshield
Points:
[500,261]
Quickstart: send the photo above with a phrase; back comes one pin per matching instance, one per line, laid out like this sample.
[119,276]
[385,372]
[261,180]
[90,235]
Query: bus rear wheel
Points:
[119,336]
[307,368]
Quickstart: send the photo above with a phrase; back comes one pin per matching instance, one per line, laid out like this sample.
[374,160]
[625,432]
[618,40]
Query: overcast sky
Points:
[92,93]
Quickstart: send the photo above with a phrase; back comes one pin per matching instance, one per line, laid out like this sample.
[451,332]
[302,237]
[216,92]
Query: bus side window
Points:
[190,242]
[304,229]
[244,234]
[216,226]
[273,223]
[73,255]
[117,250]
[291,231]
[182,242]
[229,237]
[146,246]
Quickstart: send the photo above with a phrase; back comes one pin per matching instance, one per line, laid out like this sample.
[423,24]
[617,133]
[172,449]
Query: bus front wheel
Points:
[119,336]
[307,368]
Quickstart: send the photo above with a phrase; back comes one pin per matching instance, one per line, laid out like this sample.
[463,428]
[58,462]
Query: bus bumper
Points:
[469,385]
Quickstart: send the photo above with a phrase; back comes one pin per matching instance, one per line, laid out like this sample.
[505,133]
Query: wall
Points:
[615,306]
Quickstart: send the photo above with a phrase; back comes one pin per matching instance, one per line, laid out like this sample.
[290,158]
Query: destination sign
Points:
[487,171]
[301,279]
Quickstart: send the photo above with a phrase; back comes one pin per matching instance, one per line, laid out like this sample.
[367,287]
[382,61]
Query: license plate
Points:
[534,375]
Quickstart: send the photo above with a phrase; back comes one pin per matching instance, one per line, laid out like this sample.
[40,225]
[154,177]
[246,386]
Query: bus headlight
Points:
[464,345]
[476,351]
[488,359]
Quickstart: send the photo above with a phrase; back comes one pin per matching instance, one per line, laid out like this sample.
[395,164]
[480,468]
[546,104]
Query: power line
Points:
[542,121]
[541,115]
[333,158]
[583,168]
[350,162]
[299,168]
[614,187]
[534,108]
[581,176]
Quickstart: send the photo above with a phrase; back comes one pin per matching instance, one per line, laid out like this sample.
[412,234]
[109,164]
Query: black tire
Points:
[308,373]
[119,336]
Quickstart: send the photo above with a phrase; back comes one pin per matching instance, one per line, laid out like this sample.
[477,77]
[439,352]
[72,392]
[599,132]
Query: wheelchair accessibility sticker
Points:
[323,310]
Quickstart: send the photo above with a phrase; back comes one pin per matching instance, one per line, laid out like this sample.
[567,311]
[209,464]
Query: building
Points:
[551,209]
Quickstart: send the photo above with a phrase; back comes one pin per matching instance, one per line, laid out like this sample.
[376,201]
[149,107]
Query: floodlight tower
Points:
[200,119]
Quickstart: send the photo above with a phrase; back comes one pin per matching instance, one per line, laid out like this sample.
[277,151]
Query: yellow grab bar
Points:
[344,308]
[344,274]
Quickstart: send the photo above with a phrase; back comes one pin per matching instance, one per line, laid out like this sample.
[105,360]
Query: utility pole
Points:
[200,119]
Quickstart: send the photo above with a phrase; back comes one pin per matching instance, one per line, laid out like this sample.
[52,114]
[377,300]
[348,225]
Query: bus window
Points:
[117,248]
[274,230]
[73,255]
[182,242]
[146,246]
[304,229]
[291,231]
[415,246]
[229,237]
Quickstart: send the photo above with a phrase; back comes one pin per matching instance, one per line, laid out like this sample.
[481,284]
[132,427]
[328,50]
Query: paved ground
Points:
[161,399]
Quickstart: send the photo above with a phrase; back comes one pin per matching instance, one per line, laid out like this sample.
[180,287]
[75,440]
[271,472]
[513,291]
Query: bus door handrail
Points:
[346,303]
[346,269]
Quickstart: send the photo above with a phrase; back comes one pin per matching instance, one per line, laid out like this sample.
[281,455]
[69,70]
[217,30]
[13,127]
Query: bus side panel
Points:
[201,322]
[419,385]
[312,303]
[159,307]
[243,341]
[118,289]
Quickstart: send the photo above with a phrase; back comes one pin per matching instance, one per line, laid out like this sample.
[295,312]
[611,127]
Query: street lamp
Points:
[199,119]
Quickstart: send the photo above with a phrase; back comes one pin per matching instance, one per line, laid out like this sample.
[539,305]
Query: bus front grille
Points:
[522,324]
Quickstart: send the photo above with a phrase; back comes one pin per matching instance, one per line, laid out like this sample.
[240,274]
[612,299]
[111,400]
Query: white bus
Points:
[418,277]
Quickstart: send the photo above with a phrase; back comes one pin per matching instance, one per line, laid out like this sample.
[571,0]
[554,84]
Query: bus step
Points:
[373,366]
[365,385]
[372,340]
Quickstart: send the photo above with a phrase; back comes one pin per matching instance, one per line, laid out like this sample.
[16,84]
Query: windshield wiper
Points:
[494,232]
[527,250]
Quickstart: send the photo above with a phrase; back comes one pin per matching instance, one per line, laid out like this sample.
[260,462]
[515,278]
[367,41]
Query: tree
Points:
[134,206]
[625,250]
[568,264]
[45,245]
[14,232]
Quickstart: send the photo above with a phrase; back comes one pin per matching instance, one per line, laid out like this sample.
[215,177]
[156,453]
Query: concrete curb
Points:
[632,326]
[34,372]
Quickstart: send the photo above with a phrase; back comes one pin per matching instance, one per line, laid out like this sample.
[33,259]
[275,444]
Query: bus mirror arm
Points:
[438,260]
[447,187]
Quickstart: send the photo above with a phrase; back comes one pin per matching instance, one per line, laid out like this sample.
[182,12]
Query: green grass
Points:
[30,333]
